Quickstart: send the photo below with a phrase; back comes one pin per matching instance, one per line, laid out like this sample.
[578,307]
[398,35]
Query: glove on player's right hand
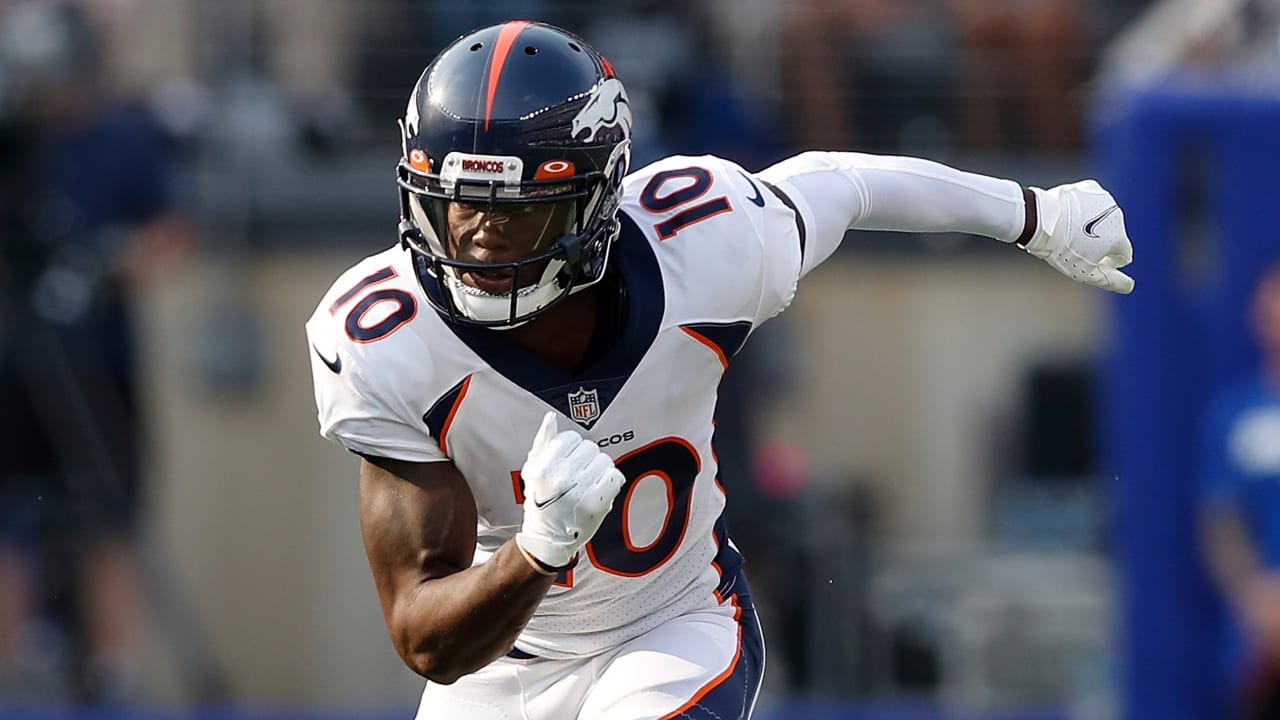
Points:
[569,486]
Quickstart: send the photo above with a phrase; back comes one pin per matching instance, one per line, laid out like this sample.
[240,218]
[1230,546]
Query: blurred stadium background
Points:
[962,483]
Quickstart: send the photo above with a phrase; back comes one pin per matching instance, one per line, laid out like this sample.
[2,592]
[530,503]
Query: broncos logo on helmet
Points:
[607,107]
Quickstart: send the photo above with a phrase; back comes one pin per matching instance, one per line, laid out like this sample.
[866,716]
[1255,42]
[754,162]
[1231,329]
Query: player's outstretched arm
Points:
[1077,228]
[445,617]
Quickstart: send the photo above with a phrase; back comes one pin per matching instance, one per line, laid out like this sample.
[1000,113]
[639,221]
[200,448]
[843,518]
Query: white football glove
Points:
[1080,232]
[569,486]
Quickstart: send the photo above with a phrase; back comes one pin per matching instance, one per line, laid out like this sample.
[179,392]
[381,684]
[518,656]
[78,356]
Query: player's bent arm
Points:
[445,617]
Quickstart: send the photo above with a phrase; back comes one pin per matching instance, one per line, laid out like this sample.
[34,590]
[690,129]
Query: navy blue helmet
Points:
[509,117]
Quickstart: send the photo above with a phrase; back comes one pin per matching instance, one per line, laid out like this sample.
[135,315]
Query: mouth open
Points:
[492,282]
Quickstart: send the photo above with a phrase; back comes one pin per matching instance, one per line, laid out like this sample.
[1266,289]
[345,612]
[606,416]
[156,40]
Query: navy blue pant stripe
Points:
[735,695]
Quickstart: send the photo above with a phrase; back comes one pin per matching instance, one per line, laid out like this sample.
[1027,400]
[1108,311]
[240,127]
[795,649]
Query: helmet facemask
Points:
[573,252]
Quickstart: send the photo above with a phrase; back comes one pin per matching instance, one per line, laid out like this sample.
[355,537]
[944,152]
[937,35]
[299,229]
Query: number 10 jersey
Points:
[707,253]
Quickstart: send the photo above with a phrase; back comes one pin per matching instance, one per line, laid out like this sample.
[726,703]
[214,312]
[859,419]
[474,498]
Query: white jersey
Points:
[707,253]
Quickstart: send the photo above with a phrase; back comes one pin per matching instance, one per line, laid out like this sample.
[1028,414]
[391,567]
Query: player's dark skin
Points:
[445,617]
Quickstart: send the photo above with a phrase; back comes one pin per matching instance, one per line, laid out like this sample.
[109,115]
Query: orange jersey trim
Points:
[733,665]
[448,422]
[724,361]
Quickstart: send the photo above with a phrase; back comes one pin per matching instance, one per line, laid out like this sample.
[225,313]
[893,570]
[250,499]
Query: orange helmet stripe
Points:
[506,38]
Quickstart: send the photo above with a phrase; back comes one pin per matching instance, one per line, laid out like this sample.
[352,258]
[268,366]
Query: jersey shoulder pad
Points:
[369,307]
[682,192]
[720,233]
[376,357]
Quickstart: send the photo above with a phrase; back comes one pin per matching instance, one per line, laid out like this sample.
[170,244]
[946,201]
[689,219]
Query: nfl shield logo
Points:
[584,406]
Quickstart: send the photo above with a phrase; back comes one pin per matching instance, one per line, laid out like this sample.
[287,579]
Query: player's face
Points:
[505,233]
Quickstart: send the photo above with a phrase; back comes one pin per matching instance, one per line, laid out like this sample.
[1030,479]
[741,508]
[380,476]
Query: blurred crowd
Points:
[768,77]
[884,75]
[108,109]
[90,210]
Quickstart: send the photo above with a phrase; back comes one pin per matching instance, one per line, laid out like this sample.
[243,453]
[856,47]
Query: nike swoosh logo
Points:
[1089,226]
[543,503]
[758,200]
[335,364]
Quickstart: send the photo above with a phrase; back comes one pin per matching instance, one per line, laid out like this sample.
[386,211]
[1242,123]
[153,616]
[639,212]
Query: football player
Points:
[529,376]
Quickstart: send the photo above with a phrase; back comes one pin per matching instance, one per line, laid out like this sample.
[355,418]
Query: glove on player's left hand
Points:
[1080,232]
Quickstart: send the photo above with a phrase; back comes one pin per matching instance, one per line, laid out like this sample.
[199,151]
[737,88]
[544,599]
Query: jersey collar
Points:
[639,271]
